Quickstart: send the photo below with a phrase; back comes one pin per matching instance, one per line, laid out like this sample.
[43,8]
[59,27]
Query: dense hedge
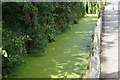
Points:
[29,26]
[93,7]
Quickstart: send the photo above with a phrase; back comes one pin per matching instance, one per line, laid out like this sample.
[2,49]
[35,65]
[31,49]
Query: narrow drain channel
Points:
[65,58]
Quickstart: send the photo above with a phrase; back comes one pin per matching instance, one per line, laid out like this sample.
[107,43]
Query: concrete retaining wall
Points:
[95,50]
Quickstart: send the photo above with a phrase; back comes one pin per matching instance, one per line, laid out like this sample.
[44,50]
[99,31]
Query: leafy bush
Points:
[93,7]
[14,46]
[29,26]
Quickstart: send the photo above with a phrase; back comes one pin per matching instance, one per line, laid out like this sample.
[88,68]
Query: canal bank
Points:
[67,57]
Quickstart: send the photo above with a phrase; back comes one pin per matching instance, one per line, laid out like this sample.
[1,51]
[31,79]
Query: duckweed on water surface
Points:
[67,57]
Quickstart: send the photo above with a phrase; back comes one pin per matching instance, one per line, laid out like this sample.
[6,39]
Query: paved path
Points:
[109,56]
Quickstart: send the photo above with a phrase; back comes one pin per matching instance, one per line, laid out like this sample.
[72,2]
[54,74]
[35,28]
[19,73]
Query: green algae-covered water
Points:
[67,57]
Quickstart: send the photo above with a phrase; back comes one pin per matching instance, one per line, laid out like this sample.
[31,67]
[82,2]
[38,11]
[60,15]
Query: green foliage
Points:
[13,45]
[29,26]
[92,7]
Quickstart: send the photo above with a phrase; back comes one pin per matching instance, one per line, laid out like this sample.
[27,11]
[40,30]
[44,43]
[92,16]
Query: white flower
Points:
[5,55]
[4,51]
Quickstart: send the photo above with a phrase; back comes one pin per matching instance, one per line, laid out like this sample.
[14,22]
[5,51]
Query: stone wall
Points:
[95,50]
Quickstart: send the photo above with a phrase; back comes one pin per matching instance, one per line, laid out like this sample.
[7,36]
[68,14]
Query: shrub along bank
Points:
[29,26]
